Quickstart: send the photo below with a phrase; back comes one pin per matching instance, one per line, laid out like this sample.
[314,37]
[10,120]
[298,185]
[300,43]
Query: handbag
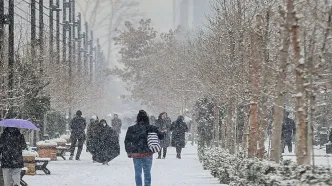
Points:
[154,142]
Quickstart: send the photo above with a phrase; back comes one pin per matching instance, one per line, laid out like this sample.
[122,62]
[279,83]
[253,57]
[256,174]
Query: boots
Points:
[178,156]
[71,157]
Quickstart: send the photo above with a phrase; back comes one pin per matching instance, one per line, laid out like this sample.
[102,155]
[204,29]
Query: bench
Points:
[41,164]
[61,151]
[22,182]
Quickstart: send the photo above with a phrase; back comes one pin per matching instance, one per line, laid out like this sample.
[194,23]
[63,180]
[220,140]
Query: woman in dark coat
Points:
[12,143]
[164,125]
[90,134]
[179,129]
[107,143]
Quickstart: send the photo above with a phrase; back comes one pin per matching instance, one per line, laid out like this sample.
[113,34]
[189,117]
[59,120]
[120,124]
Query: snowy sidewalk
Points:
[167,172]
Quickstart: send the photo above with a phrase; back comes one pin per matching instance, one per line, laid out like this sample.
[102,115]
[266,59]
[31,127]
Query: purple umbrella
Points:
[18,123]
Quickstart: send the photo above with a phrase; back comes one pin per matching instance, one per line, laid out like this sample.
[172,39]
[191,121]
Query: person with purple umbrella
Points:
[12,143]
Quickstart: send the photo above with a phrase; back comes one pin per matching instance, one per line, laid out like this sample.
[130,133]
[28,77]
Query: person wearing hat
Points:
[77,126]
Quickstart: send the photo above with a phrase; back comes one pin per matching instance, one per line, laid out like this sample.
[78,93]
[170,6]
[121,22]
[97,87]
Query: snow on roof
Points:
[46,143]
[59,140]
[30,153]
[66,137]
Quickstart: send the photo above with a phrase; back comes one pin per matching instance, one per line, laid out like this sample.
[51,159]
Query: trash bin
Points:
[29,162]
[47,149]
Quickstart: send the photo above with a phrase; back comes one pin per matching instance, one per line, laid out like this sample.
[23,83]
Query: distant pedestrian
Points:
[136,144]
[179,129]
[90,140]
[117,124]
[288,131]
[152,120]
[77,126]
[107,145]
[12,143]
[164,124]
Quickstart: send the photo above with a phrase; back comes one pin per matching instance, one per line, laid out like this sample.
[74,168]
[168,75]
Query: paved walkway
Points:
[167,172]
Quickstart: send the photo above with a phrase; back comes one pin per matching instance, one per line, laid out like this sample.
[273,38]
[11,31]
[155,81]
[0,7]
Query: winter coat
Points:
[91,136]
[164,126]
[106,144]
[179,129]
[11,145]
[288,129]
[77,126]
[136,140]
[116,125]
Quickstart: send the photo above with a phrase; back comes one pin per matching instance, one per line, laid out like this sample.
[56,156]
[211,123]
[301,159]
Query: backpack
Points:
[153,142]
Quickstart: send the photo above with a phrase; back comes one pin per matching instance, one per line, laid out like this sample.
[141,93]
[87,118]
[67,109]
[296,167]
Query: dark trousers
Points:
[178,152]
[74,139]
[288,143]
[164,151]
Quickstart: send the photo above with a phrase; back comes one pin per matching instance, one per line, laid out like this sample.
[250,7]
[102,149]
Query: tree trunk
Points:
[230,126]
[301,123]
[216,121]
[266,72]
[278,113]
[256,59]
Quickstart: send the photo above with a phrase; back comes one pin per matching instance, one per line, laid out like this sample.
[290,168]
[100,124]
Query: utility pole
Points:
[2,63]
[41,37]
[2,33]
[51,22]
[74,34]
[79,40]
[70,57]
[64,32]
[85,53]
[91,57]
[58,31]
[33,31]
[11,59]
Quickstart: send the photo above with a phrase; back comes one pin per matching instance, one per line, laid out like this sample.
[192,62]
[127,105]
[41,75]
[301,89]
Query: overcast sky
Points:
[160,12]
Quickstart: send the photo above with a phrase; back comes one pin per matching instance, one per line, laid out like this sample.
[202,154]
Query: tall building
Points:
[190,14]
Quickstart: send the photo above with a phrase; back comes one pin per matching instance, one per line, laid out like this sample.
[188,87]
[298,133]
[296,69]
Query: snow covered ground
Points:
[168,172]
[321,158]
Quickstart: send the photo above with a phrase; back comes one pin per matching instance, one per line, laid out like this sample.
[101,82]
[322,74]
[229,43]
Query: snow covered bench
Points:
[61,151]
[41,164]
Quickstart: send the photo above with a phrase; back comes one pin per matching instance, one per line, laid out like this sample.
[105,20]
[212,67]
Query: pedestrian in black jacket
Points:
[179,129]
[77,126]
[12,143]
[117,124]
[136,145]
[164,124]
[288,131]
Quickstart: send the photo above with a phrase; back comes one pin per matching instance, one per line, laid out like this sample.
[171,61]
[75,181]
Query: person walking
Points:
[117,124]
[107,143]
[77,126]
[89,134]
[179,129]
[153,120]
[288,131]
[164,124]
[136,145]
[12,143]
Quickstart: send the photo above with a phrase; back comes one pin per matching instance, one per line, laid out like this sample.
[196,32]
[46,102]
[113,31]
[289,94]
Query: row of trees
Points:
[66,83]
[252,56]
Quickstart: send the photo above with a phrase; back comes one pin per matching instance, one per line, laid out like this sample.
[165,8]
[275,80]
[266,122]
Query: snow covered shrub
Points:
[237,170]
